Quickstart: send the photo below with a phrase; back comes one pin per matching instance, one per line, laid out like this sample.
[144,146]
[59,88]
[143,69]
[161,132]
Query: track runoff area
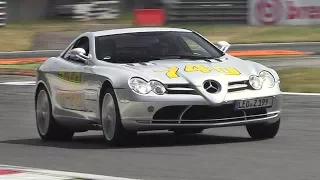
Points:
[8,172]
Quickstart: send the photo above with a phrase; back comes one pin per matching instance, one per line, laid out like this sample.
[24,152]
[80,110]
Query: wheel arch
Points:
[106,84]
[39,85]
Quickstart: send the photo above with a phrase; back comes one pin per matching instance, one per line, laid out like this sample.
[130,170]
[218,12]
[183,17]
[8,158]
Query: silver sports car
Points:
[123,81]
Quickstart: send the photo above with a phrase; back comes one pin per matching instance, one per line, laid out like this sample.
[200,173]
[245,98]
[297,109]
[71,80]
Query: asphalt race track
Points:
[217,154]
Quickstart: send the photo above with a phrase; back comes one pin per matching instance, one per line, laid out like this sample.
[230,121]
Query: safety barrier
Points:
[149,17]
[3,13]
[206,11]
[99,10]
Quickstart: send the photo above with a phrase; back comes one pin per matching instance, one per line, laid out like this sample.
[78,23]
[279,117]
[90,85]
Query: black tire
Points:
[183,131]
[263,131]
[121,136]
[53,132]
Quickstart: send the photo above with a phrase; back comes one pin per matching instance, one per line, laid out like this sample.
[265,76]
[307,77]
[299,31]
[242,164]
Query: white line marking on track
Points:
[33,176]
[301,94]
[19,83]
[63,173]
[36,51]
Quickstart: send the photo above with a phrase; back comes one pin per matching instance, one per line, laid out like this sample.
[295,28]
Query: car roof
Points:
[137,30]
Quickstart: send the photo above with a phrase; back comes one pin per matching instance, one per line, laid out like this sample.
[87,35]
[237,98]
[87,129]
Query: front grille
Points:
[238,86]
[169,112]
[180,89]
[203,114]
[211,112]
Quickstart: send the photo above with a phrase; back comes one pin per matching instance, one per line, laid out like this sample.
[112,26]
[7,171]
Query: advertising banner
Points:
[284,12]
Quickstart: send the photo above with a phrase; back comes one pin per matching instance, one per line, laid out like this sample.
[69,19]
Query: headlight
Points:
[264,78]
[267,78]
[255,82]
[157,87]
[141,86]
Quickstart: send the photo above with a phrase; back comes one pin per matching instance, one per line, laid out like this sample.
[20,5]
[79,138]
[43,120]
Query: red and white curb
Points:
[24,173]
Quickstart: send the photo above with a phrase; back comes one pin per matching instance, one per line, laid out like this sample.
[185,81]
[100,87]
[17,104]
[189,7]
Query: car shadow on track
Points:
[141,141]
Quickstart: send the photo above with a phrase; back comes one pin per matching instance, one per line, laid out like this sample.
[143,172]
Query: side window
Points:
[195,47]
[83,42]
[66,54]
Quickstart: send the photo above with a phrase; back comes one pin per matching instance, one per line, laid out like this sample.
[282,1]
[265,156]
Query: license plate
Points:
[254,103]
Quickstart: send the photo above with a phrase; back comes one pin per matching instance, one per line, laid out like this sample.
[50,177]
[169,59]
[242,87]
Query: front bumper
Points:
[186,111]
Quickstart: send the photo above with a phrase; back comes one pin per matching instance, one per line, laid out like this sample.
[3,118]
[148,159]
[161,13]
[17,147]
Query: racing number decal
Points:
[172,71]
[227,70]
[70,76]
[192,68]
[68,98]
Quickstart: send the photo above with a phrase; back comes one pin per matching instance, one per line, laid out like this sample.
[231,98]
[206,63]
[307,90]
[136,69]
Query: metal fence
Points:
[3,13]
[206,11]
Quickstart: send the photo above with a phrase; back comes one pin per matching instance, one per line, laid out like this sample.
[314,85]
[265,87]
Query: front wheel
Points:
[263,131]
[112,128]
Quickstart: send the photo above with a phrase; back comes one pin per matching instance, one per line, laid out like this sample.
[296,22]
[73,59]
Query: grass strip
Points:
[16,37]
[304,80]
[20,66]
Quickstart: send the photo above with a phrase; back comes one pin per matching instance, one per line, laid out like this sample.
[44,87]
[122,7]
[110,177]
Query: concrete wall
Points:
[33,9]
[39,9]
[26,9]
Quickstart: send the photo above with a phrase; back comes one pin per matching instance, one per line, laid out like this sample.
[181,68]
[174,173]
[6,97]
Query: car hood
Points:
[195,73]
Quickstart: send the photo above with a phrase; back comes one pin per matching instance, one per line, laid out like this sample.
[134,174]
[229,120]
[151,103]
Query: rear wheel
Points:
[48,129]
[113,131]
[263,131]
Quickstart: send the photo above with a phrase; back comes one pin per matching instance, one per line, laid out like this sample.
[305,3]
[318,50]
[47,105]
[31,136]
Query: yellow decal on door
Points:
[74,77]
[69,100]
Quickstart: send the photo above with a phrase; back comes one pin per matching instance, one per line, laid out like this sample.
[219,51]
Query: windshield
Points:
[148,46]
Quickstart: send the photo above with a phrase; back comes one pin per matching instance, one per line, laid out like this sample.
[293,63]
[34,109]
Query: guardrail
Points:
[206,11]
[3,13]
[99,10]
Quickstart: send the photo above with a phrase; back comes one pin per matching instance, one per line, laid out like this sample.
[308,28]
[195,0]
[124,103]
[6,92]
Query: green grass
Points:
[259,34]
[20,66]
[300,80]
[274,57]
[18,35]
[304,80]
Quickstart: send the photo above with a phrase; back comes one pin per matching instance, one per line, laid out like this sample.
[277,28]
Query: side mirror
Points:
[223,45]
[78,54]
